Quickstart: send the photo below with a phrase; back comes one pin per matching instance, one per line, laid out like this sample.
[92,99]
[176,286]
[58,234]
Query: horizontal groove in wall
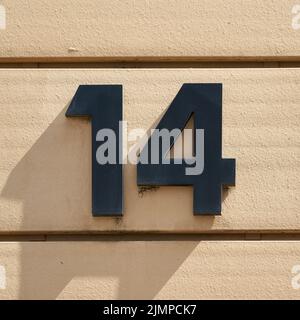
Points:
[152,237]
[150,59]
[154,64]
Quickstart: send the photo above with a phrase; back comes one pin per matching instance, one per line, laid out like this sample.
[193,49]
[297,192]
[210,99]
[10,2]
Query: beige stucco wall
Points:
[150,269]
[158,249]
[199,29]
[45,173]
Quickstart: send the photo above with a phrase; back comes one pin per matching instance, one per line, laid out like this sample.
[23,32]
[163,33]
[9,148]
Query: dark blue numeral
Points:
[103,103]
[204,101]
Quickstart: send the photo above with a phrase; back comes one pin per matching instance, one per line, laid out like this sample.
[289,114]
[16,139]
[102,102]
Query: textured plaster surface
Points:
[150,270]
[45,163]
[132,29]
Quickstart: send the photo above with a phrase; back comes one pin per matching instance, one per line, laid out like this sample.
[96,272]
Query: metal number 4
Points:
[204,101]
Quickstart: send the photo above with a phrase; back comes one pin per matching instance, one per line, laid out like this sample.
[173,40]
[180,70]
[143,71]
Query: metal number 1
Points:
[103,104]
